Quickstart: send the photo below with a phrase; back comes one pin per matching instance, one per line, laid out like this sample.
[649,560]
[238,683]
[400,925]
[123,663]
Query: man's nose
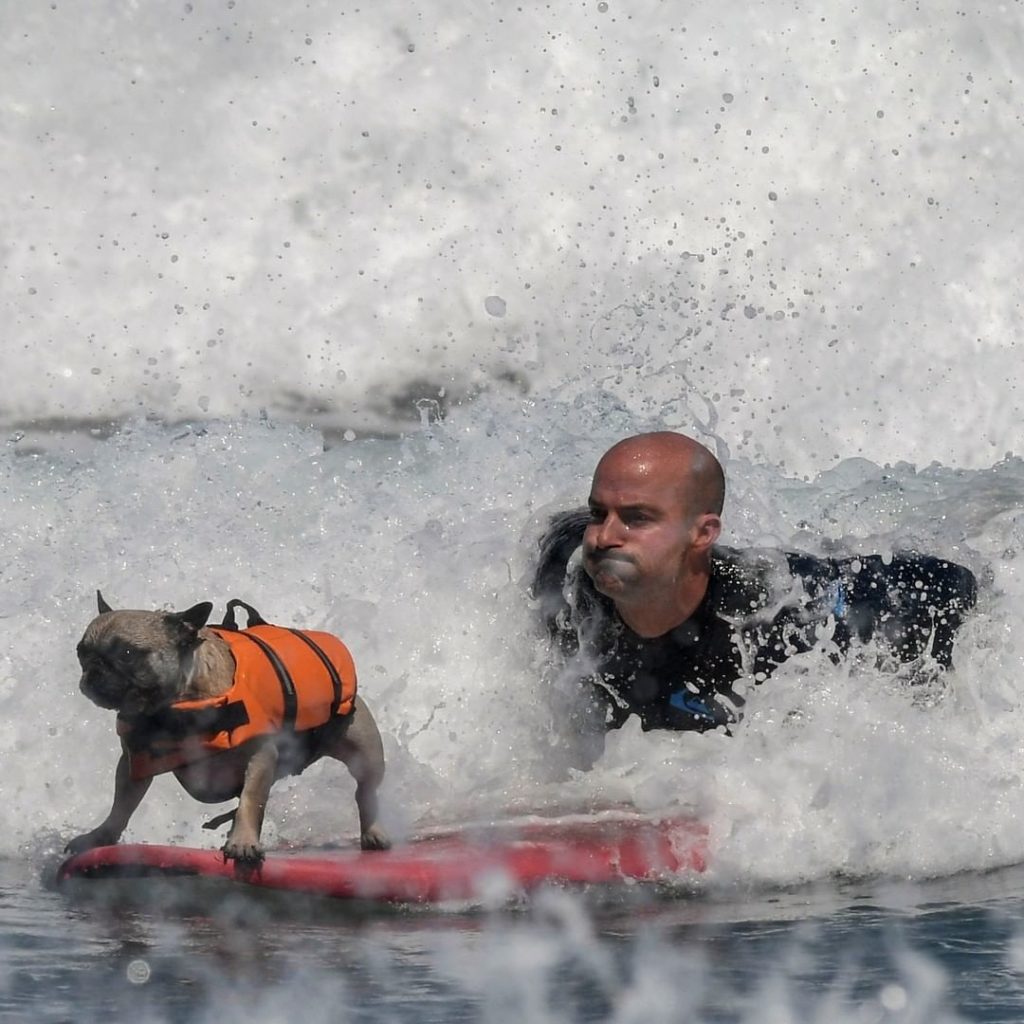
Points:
[608,532]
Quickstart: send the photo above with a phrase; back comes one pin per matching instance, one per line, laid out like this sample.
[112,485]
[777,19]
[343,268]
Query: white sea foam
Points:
[790,234]
[417,552]
[331,213]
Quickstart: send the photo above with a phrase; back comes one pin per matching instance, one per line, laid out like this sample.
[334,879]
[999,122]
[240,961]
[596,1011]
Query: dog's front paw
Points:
[90,840]
[243,846]
[246,855]
[375,838]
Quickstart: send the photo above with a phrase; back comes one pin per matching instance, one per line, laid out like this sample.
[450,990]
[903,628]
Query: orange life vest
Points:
[284,679]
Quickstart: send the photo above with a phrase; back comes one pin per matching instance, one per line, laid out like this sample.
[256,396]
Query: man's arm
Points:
[913,604]
[561,539]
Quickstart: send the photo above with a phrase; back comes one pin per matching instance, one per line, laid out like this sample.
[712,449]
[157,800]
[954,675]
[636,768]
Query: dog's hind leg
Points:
[355,740]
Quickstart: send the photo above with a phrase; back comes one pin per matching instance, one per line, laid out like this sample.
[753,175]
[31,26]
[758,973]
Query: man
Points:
[662,621]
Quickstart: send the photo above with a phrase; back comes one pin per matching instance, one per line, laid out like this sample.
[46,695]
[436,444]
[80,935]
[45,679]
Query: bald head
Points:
[655,506]
[673,459]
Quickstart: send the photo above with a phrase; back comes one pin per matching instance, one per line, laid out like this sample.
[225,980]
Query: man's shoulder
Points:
[748,581]
[562,536]
[552,573]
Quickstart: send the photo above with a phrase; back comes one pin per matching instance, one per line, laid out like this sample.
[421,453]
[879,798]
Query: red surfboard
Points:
[436,868]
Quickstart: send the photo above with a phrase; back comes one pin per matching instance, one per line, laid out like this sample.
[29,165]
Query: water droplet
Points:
[138,972]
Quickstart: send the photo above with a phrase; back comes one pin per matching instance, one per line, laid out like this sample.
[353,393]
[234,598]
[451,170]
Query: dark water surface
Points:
[182,951]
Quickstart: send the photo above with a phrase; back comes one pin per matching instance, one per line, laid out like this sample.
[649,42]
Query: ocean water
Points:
[327,307]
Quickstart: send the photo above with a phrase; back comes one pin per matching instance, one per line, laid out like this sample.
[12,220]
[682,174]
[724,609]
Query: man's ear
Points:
[707,529]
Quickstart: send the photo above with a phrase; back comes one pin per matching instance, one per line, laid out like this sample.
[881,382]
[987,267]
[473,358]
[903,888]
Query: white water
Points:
[416,551]
[793,231]
[808,216]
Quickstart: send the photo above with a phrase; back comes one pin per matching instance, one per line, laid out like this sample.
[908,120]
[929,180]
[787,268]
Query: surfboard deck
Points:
[471,865]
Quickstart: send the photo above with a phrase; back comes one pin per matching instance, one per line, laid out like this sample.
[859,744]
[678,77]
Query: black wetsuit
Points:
[760,608]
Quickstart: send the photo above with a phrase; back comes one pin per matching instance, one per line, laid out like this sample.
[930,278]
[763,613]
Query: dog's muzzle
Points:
[100,692]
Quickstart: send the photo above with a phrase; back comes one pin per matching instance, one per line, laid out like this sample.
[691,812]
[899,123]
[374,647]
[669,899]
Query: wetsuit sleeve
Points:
[955,592]
[774,643]
[591,705]
[561,539]
[912,604]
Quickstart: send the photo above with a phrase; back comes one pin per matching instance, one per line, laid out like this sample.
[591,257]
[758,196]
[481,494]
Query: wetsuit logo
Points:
[682,700]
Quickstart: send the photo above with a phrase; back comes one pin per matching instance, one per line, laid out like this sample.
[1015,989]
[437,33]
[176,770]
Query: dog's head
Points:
[138,661]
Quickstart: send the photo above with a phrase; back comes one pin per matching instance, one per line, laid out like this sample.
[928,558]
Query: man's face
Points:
[640,530]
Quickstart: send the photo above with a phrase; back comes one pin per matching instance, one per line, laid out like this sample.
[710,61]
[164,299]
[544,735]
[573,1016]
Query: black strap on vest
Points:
[283,676]
[331,670]
[291,701]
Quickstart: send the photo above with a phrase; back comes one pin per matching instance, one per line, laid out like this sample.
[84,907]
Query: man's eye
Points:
[597,515]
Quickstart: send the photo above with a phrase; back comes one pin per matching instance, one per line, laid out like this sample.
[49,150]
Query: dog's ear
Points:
[193,619]
[101,604]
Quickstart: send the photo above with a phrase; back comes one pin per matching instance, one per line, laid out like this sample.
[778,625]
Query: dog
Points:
[174,682]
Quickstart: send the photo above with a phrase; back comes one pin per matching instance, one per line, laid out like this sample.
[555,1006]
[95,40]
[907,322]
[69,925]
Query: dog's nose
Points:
[94,690]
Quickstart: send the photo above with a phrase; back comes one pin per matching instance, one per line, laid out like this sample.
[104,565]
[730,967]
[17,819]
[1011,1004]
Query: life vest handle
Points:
[254,617]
